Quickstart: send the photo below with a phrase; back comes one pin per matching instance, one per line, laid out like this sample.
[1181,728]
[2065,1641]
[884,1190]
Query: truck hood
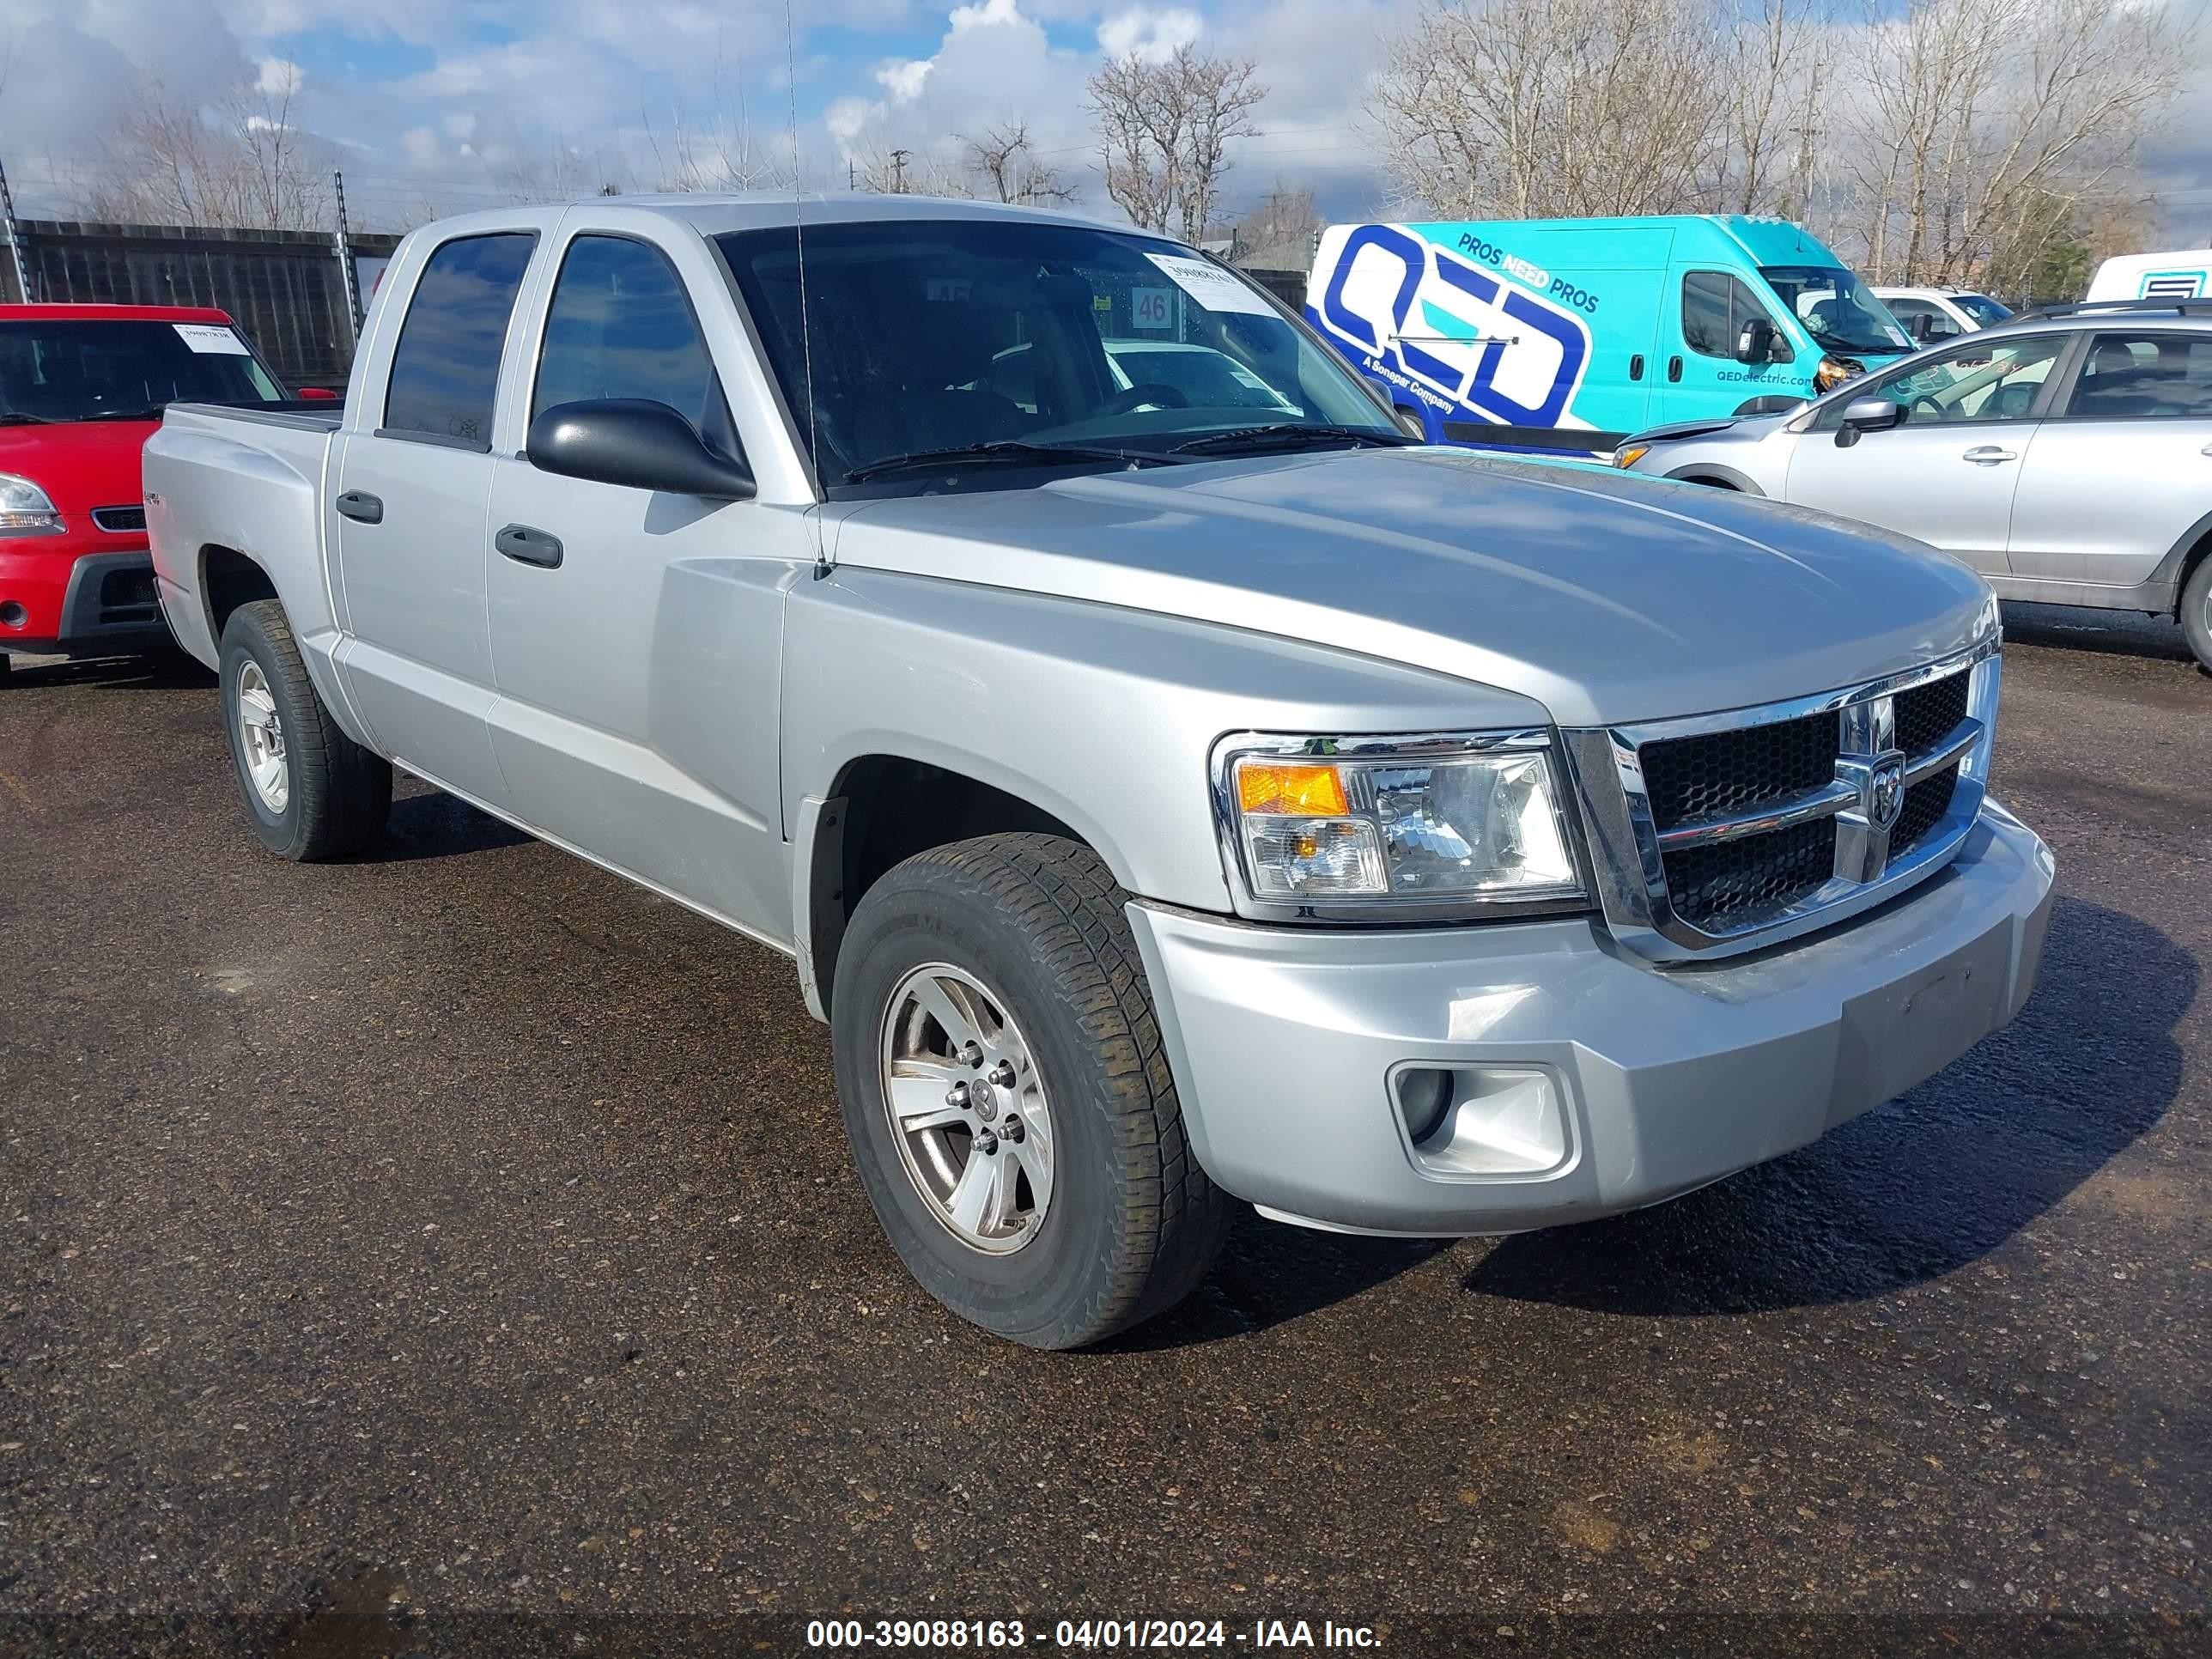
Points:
[81,464]
[1606,597]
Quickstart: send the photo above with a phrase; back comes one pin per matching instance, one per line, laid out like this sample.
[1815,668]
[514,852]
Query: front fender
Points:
[1103,718]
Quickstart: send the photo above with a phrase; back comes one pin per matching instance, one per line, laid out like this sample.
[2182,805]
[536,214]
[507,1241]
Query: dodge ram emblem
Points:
[1885,790]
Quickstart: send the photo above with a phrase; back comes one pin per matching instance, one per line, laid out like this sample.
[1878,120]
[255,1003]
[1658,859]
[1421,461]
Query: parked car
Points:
[1930,315]
[81,388]
[1161,804]
[2185,274]
[2066,456]
[1566,335]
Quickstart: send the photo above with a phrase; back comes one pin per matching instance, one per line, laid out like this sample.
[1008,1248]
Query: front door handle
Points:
[528,546]
[361,506]
[1673,368]
[1636,366]
[2206,450]
[1989,455]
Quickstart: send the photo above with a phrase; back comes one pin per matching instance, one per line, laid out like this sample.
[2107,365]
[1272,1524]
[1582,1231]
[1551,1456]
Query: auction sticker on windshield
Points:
[212,337]
[1211,286]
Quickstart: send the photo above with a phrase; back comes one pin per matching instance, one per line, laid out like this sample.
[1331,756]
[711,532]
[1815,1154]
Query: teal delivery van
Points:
[1567,335]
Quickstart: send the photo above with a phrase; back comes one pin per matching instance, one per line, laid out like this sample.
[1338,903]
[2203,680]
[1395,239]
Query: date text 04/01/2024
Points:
[989,1635]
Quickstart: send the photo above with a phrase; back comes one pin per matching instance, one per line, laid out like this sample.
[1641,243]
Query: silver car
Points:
[2066,456]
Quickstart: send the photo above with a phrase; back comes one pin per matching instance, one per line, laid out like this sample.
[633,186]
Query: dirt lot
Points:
[456,1251]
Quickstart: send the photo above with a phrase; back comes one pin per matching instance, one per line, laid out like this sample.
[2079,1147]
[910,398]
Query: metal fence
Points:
[285,288]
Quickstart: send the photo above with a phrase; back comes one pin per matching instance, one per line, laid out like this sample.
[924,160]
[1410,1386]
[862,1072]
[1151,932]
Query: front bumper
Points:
[76,603]
[1595,1082]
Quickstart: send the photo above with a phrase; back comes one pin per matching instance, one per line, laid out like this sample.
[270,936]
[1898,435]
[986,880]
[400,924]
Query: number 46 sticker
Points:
[1151,308]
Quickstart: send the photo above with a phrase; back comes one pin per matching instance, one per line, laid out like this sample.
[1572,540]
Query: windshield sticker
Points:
[211,339]
[1211,286]
[1151,308]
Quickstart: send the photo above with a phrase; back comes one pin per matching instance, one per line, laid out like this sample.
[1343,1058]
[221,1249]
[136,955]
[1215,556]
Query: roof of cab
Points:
[717,214]
[91,313]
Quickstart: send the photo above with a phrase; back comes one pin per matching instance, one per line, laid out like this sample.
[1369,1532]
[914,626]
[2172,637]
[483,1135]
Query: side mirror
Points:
[636,443]
[318,394]
[1865,415]
[1756,343]
[1409,422]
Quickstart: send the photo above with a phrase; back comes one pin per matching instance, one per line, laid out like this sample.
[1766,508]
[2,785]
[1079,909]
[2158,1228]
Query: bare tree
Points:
[1781,58]
[1010,169]
[1281,226]
[242,162]
[1570,107]
[1164,128]
[1972,125]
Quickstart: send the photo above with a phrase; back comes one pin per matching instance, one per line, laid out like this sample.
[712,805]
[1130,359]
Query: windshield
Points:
[925,335]
[1982,308]
[92,371]
[1839,311]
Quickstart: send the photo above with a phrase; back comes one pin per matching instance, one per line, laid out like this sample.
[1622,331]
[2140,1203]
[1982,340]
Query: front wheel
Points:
[1007,1098]
[2196,612]
[313,792]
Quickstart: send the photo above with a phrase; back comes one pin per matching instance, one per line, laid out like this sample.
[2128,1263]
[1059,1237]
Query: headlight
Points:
[1381,829]
[25,509]
[1832,371]
[1628,454]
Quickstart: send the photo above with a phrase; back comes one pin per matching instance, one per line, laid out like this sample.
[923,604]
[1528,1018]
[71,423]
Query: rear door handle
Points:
[528,546]
[361,506]
[1989,455]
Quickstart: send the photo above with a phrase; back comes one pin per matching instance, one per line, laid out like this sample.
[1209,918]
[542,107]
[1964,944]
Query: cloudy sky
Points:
[439,101]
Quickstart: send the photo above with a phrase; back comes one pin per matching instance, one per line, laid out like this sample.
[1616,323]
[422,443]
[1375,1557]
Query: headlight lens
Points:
[1628,454]
[1830,373]
[25,509]
[1379,825]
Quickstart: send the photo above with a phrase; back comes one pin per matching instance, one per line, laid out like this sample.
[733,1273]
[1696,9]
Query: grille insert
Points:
[1732,882]
[1925,803]
[117,520]
[1929,714]
[1717,773]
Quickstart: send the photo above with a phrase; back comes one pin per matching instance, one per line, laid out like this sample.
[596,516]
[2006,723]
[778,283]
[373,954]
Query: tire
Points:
[1034,923]
[2195,611]
[335,795]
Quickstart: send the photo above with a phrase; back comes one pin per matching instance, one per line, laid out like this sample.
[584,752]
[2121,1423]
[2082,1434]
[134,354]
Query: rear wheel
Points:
[313,792]
[2196,612]
[1007,1098]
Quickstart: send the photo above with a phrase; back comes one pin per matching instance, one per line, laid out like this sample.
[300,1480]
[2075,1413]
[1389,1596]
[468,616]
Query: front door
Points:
[1947,475]
[1701,378]
[2121,471]
[638,633]
[409,521]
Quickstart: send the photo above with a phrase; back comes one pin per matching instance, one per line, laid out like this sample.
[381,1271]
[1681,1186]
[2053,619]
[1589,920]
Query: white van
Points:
[2184,276]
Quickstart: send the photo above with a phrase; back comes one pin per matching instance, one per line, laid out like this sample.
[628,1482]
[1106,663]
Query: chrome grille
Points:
[1730,831]
[118,519]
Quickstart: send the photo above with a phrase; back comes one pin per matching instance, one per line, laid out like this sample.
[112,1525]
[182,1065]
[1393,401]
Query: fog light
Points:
[1424,1095]
[13,614]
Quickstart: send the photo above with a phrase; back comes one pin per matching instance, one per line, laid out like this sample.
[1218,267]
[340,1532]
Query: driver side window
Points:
[1715,309]
[1977,382]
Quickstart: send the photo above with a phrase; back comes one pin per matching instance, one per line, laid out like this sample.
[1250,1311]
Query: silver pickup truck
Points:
[1174,785]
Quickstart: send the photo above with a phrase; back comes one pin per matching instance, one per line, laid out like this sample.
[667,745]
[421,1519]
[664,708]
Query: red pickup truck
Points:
[82,386]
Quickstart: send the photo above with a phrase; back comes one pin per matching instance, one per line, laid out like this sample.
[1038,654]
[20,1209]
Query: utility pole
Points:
[852,177]
[14,239]
[345,267]
[898,171]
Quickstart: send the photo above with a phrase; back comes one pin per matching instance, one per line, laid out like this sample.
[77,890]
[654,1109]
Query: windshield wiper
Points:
[27,420]
[153,414]
[998,452]
[1282,435]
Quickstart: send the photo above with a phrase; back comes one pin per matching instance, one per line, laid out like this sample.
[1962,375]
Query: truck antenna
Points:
[799,230]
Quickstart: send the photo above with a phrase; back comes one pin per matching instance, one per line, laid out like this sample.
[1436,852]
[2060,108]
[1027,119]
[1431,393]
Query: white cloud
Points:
[277,77]
[1150,34]
[904,80]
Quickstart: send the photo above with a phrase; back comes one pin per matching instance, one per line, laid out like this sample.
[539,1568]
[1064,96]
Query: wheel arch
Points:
[229,579]
[1715,475]
[2190,551]
[884,806]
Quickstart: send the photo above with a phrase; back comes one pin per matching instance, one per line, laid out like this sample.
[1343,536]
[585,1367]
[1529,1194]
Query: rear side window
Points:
[444,371]
[2144,377]
[620,325]
[1715,309]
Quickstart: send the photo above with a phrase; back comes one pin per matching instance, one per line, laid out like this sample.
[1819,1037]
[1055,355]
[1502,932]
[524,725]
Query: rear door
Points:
[2123,469]
[638,633]
[410,507]
[1948,475]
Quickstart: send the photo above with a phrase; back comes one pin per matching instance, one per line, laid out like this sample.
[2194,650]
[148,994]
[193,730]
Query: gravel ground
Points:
[455,1251]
